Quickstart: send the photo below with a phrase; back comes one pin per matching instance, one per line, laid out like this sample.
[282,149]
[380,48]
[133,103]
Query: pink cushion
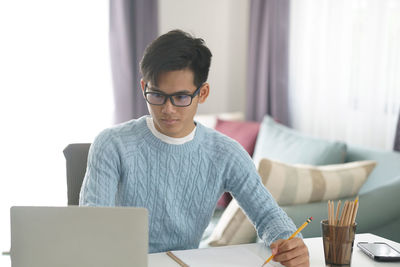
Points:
[244,132]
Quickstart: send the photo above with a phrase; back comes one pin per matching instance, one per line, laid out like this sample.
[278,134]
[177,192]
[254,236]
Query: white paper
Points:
[222,257]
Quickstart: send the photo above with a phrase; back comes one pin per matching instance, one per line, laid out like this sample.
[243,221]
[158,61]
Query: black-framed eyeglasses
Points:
[178,99]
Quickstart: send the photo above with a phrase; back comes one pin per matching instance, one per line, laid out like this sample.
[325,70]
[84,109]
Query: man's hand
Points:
[291,253]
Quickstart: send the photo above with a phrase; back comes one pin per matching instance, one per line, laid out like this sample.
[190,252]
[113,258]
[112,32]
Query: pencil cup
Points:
[338,243]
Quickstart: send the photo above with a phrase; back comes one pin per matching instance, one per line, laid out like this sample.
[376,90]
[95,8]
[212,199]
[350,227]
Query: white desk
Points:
[314,245]
[359,259]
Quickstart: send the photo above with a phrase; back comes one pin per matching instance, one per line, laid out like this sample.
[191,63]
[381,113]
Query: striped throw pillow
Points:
[298,184]
[290,185]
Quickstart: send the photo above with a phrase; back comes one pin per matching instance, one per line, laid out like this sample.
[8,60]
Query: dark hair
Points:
[176,50]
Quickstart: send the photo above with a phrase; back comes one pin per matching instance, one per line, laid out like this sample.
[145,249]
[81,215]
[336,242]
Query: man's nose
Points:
[168,107]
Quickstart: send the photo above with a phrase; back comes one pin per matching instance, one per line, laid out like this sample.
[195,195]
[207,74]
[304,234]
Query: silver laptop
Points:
[79,236]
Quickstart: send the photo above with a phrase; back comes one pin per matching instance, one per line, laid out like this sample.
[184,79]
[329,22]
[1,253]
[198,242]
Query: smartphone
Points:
[379,251]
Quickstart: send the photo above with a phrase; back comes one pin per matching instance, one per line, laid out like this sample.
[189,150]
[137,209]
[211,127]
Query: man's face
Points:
[171,120]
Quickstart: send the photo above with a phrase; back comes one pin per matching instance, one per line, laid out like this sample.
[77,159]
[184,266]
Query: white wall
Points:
[223,24]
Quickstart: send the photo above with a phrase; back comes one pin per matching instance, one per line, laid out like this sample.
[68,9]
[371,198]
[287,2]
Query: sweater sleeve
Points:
[271,222]
[100,184]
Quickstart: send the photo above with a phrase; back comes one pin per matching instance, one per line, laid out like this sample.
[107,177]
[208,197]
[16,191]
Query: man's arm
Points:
[100,184]
[272,223]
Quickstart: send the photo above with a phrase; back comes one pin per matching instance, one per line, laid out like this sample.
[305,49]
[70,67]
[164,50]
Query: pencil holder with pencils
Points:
[338,233]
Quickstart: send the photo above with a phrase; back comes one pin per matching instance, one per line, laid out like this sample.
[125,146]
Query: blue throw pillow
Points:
[278,142]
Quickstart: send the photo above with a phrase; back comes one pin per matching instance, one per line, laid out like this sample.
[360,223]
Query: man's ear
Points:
[142,84]
[204,91]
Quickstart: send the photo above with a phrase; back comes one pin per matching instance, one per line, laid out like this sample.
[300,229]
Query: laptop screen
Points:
[79,236]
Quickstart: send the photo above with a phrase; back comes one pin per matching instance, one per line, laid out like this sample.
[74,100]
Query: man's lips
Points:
[169,121]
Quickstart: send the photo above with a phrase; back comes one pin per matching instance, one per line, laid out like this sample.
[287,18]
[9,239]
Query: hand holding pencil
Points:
[291,252]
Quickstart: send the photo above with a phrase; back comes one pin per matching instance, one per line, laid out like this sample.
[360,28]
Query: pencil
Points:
[178,260]
[337,213]
[291,237]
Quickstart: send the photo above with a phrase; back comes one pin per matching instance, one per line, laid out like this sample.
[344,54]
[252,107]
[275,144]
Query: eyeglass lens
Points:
[177,100]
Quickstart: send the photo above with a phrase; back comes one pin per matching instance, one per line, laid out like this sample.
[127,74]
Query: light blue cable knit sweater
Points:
[178,184]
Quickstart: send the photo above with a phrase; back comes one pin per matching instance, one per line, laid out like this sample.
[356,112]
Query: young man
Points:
[177,168]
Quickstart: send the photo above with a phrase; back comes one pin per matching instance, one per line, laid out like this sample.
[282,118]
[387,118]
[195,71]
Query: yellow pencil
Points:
[178,260]
[293,235]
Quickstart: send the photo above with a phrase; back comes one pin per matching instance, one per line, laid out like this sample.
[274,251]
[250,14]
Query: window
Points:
[55,89]
[345,69]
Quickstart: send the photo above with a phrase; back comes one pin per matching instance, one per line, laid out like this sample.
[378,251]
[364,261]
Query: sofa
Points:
[273,143]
